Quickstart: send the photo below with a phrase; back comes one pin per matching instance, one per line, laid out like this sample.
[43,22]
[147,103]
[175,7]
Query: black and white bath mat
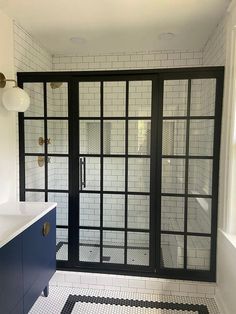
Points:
[76,304]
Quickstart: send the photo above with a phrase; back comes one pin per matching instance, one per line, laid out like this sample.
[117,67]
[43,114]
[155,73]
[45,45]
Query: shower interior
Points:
[185,210]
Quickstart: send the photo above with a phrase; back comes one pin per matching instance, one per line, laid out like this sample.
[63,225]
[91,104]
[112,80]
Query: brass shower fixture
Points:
[43,141]
[41,160]
[55,85]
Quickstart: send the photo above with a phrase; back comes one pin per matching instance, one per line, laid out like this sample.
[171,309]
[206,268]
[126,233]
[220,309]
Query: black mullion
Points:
[157,175]
[49,154]
[49,190]
[156,125]
[126,168]
[45,140]
[115,229]
[101,170]
[191,118]
[215,170]
[114,192]
[115,118]
[114,155]
[73,234]
[22,156]
[62,227]
[186,174]
[189,233]
[189,157]
[188,195]
[42,118]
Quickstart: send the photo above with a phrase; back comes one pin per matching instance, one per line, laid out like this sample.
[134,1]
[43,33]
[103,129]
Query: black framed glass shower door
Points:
[132,159]
[112,172]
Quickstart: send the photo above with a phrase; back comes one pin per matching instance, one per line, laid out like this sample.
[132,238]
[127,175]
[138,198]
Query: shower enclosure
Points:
[132,159]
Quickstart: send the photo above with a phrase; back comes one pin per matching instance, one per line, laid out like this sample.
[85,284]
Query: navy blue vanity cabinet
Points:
[39,257]
[27,263]
[11,280]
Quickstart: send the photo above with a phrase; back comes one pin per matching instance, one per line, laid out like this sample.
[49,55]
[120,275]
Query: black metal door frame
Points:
[158,77]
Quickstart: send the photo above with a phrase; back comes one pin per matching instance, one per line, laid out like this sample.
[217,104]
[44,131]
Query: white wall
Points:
[220,50]
[7,119]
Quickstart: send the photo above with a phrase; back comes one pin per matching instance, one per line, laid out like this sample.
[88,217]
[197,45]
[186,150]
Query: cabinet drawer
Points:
[39,250]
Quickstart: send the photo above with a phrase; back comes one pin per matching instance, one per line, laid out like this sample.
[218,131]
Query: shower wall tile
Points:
[214,52]
[29,55]
[135,60]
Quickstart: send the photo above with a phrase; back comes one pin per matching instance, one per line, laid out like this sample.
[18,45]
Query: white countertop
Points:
[15,217]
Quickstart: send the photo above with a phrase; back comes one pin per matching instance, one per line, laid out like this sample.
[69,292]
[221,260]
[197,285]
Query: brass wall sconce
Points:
[14,99]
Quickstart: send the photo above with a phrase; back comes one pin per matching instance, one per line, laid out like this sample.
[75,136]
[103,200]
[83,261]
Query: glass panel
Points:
[140,98]
[201,137]
[113,247]
[114,137]
[58,135]
[139,175]
[172,249]
[36,94]
[138,248]
[203,94]
[90,137]
[175,98]
[173,175]
[114,174]
[172,213]
[35,197]
[200,176]
[34,129]
[89,246]
[174,137]
[89,99]
[138,211]
[113,210]
[199,215]
[89,209]
[198,253]
[62,244]
[139,137]
[62,200]
[58,173]
[57,99]
[114,99]
[92,173]
[34,172]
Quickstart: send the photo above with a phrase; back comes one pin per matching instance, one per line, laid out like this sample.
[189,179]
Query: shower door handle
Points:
[82,170]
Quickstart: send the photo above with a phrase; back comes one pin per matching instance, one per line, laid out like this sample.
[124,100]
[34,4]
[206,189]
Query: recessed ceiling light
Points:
[78,40]
[166,36]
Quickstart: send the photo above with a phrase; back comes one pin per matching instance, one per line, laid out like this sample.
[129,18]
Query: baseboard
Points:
[220,303]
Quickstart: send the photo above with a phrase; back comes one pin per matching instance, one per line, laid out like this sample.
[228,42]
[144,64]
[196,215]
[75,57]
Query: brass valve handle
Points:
[43,141]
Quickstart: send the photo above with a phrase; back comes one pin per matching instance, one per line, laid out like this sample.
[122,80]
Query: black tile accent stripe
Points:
[72,299]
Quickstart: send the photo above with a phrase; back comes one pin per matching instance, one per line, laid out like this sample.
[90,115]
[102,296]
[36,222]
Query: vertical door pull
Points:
[82,170]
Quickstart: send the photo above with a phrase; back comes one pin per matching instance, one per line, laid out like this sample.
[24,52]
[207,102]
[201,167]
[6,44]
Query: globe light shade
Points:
[16,99]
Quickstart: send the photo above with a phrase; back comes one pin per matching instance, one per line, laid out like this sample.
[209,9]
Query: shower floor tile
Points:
[66,300]
[91,253]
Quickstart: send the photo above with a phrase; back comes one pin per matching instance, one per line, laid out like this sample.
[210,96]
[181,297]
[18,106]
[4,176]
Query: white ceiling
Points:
[116,25]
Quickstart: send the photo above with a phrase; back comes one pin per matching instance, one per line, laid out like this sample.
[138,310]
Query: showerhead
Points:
[55,85]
